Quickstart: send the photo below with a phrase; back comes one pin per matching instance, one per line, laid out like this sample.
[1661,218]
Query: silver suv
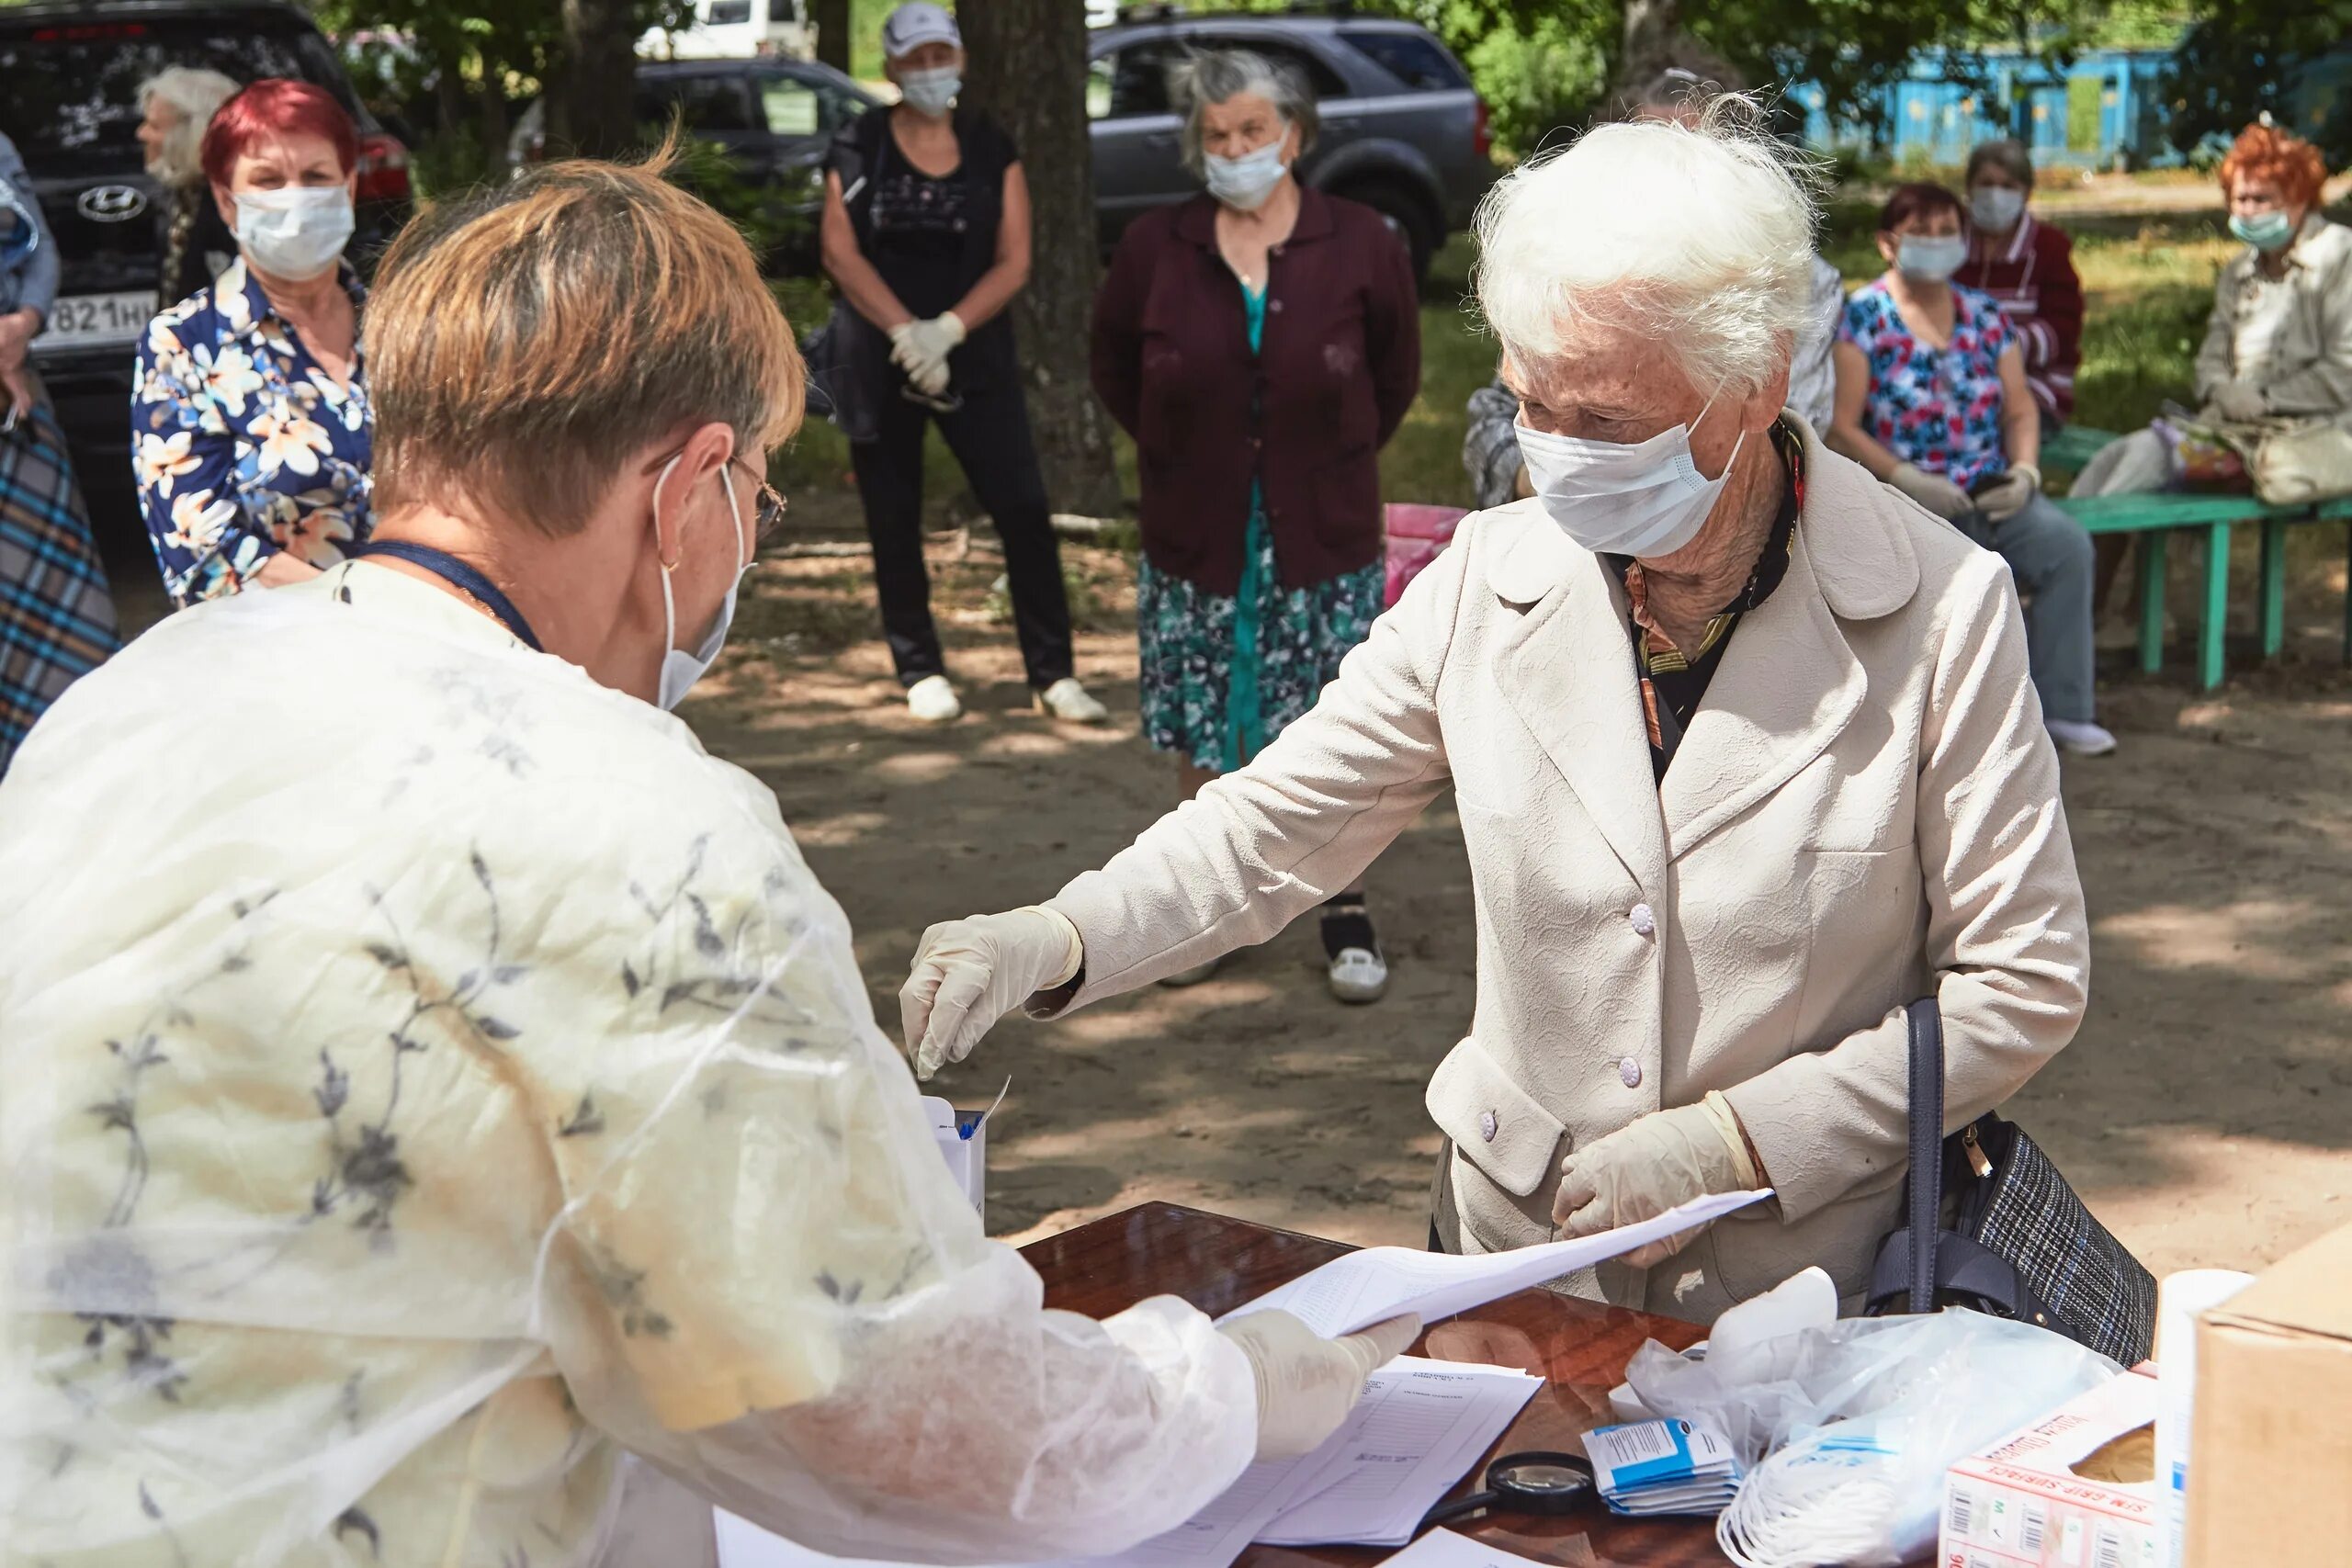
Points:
[1403,132]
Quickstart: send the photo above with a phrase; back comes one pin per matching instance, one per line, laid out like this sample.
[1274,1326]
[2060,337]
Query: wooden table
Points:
[1218,1263]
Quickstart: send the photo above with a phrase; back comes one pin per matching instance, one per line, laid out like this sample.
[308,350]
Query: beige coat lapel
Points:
[1790,682]
[1567,672]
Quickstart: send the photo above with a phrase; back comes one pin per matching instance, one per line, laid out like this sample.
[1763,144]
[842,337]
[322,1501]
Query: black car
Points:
[74,71]
[771,119]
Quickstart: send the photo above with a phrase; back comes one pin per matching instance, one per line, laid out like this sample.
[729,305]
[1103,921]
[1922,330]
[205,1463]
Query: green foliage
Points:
[2243,57]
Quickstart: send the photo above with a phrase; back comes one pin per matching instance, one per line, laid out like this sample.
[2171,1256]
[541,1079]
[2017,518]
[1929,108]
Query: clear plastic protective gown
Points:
[424,1073]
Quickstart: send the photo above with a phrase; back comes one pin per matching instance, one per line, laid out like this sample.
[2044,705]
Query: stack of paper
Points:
[1418,1427]
[1663,1467]
[1441,1548]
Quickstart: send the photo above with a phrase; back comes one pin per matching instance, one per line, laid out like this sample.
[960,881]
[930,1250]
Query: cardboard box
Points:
[2023,1503]
[2270,1450]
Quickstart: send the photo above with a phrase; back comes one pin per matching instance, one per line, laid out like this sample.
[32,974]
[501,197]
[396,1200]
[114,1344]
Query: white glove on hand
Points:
[1934,491]
[2007,496]
[2237,402]
[920,349]
[1654,1163]
[970,973]
[1306,1385]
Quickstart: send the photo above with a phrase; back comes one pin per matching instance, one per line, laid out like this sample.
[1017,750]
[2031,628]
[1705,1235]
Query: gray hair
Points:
[1700,237]
[2009,157]
[1219,75]
[196,95]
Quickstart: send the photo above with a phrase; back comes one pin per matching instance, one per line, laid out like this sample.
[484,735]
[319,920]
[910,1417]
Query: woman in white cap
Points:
[926,234]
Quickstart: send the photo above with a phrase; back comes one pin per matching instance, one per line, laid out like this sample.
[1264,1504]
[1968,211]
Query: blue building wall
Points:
[1928,115]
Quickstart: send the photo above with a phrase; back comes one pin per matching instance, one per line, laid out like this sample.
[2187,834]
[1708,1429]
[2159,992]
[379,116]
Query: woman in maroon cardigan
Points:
[1260,343]
[2029,267]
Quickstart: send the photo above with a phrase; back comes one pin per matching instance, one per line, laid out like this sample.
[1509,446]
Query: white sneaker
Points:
[1071,703]
[2083,739]
[933,701]
[1359,975]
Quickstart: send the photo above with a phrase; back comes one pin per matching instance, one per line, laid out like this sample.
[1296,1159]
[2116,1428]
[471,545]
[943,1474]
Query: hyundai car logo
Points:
[111,204]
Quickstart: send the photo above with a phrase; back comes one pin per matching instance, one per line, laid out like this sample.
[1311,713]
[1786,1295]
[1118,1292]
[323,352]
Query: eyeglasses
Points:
[767,517]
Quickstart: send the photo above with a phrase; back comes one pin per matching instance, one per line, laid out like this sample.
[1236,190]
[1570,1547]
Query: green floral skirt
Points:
[1223,676]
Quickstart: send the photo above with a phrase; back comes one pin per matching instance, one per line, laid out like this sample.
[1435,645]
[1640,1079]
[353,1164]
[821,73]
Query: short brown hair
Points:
[2281,156]
[1918,200]
[2009,157]
[523,343]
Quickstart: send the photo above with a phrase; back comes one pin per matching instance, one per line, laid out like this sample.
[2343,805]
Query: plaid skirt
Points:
[56,615]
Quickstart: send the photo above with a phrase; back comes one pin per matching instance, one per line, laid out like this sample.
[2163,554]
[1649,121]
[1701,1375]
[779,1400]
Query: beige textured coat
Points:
[1864,809]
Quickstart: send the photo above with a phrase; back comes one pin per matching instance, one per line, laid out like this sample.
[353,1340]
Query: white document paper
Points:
[1377,1283]
[1411,1439]
[1442,1548]
[1440,1413]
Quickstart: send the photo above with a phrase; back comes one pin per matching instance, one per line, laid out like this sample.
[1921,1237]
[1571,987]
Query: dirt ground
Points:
[2203,1109]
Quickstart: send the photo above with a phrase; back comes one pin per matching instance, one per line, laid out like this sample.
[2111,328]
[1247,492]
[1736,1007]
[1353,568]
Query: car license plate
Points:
[81,320]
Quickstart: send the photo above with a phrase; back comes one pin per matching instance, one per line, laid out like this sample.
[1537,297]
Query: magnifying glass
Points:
[1537,1483]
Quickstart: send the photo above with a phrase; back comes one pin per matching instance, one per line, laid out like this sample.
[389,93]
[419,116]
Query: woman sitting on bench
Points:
[1932,400]
[2280,341]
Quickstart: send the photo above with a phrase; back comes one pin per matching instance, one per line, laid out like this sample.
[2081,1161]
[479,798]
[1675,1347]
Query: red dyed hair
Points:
[275,106]
[1916,200]
[2278,155]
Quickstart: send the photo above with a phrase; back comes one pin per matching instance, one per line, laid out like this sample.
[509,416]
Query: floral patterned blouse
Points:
[1937,408]
[244,445]
[379,1177]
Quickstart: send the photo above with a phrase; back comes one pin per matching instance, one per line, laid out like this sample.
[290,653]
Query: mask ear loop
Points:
[669,604]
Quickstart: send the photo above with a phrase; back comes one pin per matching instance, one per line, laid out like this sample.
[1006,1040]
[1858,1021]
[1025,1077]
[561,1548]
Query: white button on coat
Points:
[1629,1072]
[1487,1125]
[1645,922]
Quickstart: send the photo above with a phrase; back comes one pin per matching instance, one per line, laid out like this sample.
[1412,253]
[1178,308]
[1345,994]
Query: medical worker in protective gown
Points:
[426,1077]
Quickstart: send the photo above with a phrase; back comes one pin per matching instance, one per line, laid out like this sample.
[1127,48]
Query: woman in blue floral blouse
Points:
[1932,399]
[251,427]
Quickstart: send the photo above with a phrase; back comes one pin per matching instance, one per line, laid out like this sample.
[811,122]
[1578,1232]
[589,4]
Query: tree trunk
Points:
[593,110]
[1647,44]
[1027,70]
[831,18]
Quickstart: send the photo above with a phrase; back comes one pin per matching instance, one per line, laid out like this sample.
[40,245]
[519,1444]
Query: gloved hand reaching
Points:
[1306,1385]
[920,349]
[1649,1166]
[2007,496]
[969,972]
[2237,402]
[1934,491]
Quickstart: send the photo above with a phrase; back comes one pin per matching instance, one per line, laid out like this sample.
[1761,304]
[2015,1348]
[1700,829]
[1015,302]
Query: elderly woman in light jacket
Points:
[1744,748]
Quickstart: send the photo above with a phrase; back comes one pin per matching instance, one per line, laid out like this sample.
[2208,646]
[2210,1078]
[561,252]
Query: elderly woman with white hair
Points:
[175,104]
[1743,746]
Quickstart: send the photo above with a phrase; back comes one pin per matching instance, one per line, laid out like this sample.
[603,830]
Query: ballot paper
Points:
[1442,1548]
[1419,1427]
[1419,1424]
[1354,1291]
[1663,1467]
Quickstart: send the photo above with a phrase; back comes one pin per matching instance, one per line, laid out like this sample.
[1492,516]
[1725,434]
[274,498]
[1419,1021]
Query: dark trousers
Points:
[990,436]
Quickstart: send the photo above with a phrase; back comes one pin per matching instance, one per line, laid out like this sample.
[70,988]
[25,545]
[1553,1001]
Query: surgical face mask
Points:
[1245,182]
[1646,500]
[681,670]
[295,233]
[931,92]
[1929,258]
[1995,207]
[2264,231]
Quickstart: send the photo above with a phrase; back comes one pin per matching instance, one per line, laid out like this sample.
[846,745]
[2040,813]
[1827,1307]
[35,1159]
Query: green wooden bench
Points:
[2158,516]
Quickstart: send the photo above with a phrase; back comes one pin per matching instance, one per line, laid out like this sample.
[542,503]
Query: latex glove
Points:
[1651,1165]
[921,348]
[2007,496]
[969,972]
[2237,402]
[1306,1385]
[1934,491]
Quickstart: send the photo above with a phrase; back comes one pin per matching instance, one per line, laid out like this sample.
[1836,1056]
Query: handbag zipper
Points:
[1978,1159]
